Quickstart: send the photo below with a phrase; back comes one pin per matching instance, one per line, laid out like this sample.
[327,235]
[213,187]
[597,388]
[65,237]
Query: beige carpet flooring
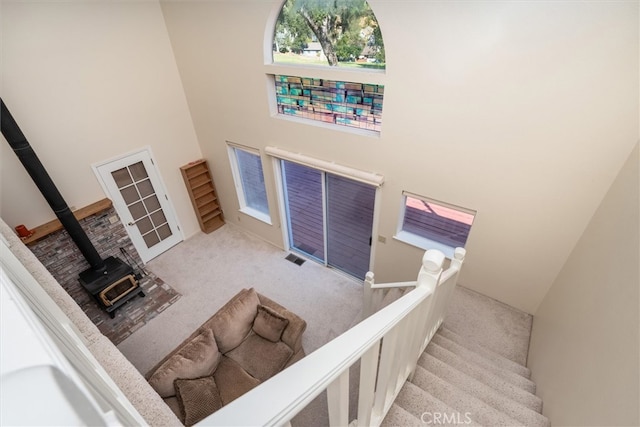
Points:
[497,326]
[209,269]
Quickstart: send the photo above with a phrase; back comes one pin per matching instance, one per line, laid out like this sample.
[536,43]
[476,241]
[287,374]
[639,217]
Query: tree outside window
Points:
[338,32]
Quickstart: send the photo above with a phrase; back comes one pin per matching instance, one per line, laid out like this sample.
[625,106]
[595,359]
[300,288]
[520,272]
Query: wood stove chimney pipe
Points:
[41,178]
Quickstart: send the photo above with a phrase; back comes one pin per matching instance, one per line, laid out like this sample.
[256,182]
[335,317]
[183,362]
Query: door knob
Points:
[131,224]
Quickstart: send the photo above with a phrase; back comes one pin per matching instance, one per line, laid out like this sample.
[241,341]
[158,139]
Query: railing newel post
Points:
[367,305]
[429,274]
[458,258]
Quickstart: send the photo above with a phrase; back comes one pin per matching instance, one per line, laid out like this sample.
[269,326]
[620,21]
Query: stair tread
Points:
[400,417]
[482,391]
[476,409]
[488,364]
[514,392]
[486,353]
[421,404]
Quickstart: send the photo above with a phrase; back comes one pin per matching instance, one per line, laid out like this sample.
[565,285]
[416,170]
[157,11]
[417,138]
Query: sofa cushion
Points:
[198,358]
[198,398]
[261,358]
[234,320]
[232,380]
[269,324]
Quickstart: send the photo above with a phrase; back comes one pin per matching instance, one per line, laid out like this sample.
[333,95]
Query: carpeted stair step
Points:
[514,392]
[496,358]
[399,417]
[483,392]
[474,358]
[466,404]
[421,404]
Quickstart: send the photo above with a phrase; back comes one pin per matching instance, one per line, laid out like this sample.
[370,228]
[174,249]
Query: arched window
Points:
[310,35]
[328,32]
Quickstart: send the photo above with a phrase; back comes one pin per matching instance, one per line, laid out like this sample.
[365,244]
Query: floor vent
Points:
[294,259]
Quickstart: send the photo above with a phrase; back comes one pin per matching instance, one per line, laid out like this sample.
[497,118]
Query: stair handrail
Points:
[387,343]
[372,293]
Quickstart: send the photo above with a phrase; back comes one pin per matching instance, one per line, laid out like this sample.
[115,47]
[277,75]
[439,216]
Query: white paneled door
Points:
[133,184]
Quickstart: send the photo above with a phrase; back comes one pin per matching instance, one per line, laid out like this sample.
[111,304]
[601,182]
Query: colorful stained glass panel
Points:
[355,105]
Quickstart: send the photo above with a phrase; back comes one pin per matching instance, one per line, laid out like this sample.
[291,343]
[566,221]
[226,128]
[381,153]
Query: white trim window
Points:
[248,176]
[431,224]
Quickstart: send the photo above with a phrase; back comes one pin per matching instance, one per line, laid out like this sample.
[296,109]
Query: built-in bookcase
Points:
[204,197]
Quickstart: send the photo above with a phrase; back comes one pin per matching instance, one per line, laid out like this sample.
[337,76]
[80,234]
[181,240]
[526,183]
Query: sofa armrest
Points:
[292,335]
[173,352]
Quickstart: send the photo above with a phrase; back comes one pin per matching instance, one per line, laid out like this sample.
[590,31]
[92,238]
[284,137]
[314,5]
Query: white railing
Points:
[374,293]
[387,344]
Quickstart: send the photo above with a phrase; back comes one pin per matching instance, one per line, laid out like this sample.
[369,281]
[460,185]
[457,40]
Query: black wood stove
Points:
[114,286]
[110,281]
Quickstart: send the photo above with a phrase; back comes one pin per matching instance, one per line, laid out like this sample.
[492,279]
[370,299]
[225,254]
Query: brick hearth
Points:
[61,257]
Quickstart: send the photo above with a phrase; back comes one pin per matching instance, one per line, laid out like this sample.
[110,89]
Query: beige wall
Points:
[584,353]
[87,81]
[523,111]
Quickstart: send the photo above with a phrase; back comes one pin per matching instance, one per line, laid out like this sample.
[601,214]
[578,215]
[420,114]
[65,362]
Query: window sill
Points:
[254,213]
[424,243]
[331,126]
[356,75]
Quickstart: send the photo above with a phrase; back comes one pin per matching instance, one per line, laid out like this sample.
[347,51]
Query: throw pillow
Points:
[197,358]
[233,321]
[198,398]
[269,324]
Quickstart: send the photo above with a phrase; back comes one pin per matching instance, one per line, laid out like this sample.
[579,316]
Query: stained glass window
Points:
[356,105]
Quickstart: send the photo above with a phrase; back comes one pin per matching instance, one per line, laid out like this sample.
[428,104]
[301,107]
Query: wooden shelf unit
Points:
[202,192]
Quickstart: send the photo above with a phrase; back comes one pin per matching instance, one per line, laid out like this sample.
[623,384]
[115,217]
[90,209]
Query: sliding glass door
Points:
[349,223]
[303,189]
[329,217]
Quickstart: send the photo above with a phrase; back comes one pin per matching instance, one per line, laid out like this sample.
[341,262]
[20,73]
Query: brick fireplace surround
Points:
[61,257]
